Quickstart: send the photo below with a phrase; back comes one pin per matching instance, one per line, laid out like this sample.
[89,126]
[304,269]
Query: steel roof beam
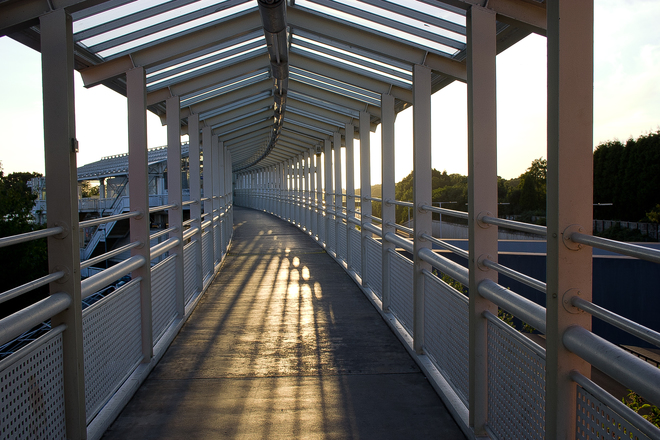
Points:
[22,14]
[332,98]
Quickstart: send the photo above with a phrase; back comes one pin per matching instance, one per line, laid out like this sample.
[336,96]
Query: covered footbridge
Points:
[269,94]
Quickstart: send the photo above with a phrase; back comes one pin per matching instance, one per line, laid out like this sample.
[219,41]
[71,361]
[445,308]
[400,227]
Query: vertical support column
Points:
[569,192]
[389,211]
[482,198]
[297,179]
[61,181]
[421,192]
[196,195]
[339,199]
[307,206]
[175,215]
[319,196]
[365,184]
[312,192]
[350,192]
[138,170]
[218,192]
[288,184]
[207,168]
[327,170]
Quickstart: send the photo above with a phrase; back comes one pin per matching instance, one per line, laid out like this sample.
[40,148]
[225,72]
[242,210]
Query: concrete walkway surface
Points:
[284,345]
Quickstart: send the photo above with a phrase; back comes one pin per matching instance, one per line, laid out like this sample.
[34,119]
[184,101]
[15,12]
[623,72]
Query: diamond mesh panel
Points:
[32,391]
[595,420]
[163,296]
[446,332]
[189,266]
[516,386]
[341,238]
[374,266]
[356,250]
[206,254]
[112,344]
[401,286]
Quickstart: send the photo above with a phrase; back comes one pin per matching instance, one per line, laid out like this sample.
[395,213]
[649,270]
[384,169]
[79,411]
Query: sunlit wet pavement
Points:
[284,345]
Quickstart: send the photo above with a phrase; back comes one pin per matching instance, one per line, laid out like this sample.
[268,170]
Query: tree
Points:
[533,186]
[87,190]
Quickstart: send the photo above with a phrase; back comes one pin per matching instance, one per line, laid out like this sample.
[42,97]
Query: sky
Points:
[626,102]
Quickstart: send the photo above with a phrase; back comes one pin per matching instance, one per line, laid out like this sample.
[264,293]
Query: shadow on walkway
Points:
[284,346]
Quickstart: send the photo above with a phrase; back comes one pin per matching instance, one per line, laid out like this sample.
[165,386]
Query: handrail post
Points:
[350,190]
[365,184]
[61,183]
[174,195]
[482,199]
[327,170]
[195,194]
[422,178]
[307,216]
[388,209]
[313,223]
[219,189]
[209,142]
[339,199]
[569,195]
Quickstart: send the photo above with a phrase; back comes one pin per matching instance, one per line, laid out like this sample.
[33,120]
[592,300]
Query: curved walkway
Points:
[284,346]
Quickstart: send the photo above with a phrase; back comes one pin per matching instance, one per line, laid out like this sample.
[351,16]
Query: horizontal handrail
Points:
[396,202]
[445,211]
[189,202]
[629,249]
[108,219]
[374,218]
[163,247]
[401,228]
[29,236]
[528,311]
[163,207]
[190,232]
[373,199]
[206,224]
[370,227]
[163,232]
[518,226]
[205,199]
[35,284]
[615,404]
[445,265]
[188,222]
[109,254]
[18,323]
[354,221]
[399,241]
[520,277]
[619,321]
[450,247]
[96,282]
[627,369]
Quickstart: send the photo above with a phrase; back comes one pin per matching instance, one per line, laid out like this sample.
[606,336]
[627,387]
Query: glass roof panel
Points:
[225,87]
[115,13]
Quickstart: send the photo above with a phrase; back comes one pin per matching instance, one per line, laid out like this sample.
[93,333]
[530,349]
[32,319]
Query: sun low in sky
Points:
[626,97]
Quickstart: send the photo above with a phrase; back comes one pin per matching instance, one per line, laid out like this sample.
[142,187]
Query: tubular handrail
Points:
[188,222]
[206,224]
[521,277]
[450,247]
[109,254]
[619,321]
[354,221]
[205,199]
[189,202]
[163,207]
[24,288]
[371,217]
[370,227]
[163,247]
[445,265]
[396,202]
[409,231]
[631,371]
[163,232]
[29,236]
[629,249]
[96,282]
[18,323]
[110,218]
[190,232]
[445,211]
[528,311]
[615,404]
[518,226]
[373,199]
[399,241]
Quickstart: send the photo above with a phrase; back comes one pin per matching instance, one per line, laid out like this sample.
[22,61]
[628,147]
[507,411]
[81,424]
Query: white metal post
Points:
[175,215]
[312,191]
[307,207]
[138,171]
[196,195]
[350,192]
[365,184]
[570,199]
[319,196]
[389,212]
[327,170]
[336,142]
[62,183]
[482,197]
[421,192]
[218,183]
[207,184]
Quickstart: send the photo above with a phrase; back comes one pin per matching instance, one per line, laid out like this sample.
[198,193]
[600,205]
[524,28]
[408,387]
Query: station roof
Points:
[213,54]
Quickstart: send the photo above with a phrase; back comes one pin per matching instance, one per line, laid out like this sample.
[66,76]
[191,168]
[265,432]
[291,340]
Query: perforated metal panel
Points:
[330,244]
[163,296]
[356,250]
[341,241]
[112,344]
[595,420]
[207,267]
[32,390]
[401,284]
[320,230]
[189,266]
[446,332]
[516,385]
[374,266]
[217,246]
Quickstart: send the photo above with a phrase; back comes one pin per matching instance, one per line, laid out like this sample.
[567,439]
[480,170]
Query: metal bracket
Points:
[566,301]
[140,215]
[566,237]
[65,278]
[65,231]
[480,262]
[420,209]
[481,215]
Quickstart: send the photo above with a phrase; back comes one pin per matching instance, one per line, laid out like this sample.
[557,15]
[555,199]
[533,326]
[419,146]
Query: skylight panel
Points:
[115,13]
[223,88]
[431,10]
